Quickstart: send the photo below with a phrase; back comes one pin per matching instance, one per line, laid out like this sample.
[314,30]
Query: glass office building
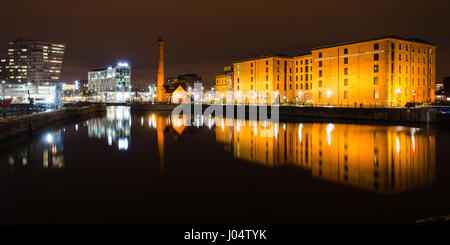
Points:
[112,84]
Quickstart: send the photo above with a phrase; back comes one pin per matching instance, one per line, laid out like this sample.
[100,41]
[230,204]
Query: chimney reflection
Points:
[377,158]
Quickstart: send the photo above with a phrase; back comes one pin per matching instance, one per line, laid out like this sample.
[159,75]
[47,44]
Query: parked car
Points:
[410,105]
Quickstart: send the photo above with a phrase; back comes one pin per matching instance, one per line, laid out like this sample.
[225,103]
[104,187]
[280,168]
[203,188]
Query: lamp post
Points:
[329,97]
[398,91]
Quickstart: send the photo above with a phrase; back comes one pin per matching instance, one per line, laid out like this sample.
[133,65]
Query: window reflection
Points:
[378,158]
[115,128]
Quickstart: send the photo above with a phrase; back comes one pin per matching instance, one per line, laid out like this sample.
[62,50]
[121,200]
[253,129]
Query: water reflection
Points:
[378,158]
[115,128]
[48,153]
[384,159]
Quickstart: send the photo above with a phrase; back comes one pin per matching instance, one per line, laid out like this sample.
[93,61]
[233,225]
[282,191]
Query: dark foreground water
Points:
[152,169]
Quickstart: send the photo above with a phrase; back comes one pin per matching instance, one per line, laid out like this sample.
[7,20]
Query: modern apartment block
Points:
[385,71]
[111,84]
[34,62]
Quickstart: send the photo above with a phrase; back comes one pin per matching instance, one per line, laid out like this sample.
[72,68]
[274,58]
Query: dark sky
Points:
[204,36]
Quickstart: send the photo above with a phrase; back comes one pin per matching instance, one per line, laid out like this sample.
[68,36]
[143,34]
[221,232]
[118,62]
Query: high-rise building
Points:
[385,71]
[112,84]
[34,62]
[3,72]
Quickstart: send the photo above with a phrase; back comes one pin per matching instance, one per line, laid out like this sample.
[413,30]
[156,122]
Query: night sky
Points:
[204,36]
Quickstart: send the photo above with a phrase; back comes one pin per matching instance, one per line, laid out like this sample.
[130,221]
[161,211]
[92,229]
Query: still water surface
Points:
[152,169]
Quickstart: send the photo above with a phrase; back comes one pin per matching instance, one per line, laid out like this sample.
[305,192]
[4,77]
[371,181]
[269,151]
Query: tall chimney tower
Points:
[160,90]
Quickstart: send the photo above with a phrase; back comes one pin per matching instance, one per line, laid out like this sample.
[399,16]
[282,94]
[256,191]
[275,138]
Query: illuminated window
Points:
[345,94]
[320,83]
[345,71]
[346,82]
[375,68]
[375,94]
[375,81]
[320,94]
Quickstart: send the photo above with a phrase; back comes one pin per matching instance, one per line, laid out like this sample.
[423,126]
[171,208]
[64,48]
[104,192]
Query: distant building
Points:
[82,87]
[112,84]
[188,80]
[385,71]
[35,62]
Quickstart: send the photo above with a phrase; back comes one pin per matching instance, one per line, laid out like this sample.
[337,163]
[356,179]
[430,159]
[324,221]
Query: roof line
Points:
[416,40]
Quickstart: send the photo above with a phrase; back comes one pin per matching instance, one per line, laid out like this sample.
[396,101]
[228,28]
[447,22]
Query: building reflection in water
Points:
[49,153]
[384,159]
[115,128]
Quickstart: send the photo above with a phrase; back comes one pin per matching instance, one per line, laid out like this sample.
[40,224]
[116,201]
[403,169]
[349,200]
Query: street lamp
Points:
[398,91]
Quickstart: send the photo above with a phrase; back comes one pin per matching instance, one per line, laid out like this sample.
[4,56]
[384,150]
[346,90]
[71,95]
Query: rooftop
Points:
[416,40]
[263,57]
